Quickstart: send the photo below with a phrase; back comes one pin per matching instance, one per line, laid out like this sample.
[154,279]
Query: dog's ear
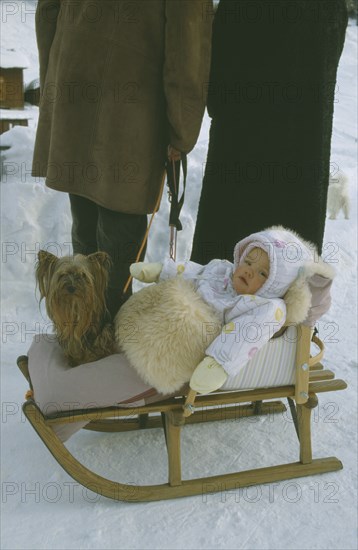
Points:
[101,258]
[44,269]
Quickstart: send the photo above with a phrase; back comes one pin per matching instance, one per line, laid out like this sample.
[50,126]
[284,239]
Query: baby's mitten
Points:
[208,376]
[146,272]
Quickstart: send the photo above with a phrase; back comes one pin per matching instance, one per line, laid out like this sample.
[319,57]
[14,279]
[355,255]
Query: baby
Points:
[248,296]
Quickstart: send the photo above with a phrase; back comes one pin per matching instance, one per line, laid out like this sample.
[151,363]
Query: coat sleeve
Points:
[46,21]
[249,326]
[186,68]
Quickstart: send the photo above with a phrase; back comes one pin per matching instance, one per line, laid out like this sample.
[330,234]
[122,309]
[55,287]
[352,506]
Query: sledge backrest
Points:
[320,288]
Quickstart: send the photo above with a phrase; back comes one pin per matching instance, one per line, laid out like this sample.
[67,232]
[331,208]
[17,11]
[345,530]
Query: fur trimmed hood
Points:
[287,255]
[297,273]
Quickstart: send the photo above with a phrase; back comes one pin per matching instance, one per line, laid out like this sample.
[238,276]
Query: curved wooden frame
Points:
[174,488]
[311,379]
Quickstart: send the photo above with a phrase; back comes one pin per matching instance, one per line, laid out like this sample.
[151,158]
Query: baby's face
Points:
[252,272]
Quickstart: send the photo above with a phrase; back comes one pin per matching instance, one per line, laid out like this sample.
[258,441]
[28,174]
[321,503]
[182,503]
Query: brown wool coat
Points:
[120,80]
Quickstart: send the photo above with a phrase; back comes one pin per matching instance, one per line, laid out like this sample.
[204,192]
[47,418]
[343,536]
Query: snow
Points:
[17,33]
[42,507]
[17,114]
[11,59]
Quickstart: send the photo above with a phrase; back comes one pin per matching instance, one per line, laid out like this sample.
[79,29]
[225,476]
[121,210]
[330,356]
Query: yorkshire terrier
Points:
[75,291]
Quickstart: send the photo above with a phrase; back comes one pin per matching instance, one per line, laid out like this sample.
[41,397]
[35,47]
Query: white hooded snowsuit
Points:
[249,321]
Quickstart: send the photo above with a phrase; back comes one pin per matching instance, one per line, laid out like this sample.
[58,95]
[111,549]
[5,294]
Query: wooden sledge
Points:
[311,379]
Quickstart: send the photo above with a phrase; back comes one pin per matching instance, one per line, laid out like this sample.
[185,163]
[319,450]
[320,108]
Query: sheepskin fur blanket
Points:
[164,330]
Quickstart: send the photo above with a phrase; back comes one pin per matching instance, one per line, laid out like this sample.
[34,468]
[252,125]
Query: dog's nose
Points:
[71,289]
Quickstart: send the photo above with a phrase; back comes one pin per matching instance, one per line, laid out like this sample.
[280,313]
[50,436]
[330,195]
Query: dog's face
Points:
[74,288]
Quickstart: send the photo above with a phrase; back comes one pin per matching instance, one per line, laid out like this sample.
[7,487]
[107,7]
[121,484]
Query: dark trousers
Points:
[95,228]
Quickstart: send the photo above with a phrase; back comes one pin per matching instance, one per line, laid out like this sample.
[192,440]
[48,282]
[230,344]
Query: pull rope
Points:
[145,238]
[176,203]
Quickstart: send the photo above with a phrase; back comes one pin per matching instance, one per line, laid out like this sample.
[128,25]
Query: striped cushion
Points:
[273,365]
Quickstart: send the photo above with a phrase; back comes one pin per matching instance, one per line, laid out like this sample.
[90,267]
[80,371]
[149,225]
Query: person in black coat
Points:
[271,97]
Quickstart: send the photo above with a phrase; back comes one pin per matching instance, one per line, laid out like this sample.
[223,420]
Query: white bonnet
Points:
[287,253]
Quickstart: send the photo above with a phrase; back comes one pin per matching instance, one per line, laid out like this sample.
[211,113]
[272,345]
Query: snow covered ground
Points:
[43,508]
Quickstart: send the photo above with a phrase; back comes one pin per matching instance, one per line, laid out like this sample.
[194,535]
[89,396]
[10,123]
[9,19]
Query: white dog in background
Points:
[338,195]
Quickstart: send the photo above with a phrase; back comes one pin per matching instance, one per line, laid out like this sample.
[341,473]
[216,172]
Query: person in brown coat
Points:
[122,86]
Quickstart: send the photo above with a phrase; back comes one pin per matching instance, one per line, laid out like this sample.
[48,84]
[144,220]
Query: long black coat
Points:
[271,98]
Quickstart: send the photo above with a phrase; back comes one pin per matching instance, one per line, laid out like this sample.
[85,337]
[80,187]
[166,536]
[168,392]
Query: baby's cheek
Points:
[258,283]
